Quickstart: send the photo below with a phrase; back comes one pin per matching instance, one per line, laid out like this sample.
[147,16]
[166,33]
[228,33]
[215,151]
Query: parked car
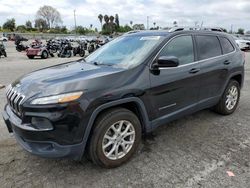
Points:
[242,43]
[100,106]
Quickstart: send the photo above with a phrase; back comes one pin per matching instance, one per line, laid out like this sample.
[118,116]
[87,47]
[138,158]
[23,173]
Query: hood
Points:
[63,78]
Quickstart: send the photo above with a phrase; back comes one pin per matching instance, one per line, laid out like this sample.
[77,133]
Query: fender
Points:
[230,77]
[97,111]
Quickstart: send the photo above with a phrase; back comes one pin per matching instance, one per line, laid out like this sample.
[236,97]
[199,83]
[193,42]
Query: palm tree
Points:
[106,25]
[131,23]
[106,19]
[154,24]
[100,17]
[112,18]
[91,25]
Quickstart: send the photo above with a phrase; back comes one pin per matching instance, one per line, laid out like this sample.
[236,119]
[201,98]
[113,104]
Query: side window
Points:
[180,47]
[208,46]
[227,46]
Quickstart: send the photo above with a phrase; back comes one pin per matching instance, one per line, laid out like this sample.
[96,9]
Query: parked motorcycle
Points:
[80,49]
[53,46]
[65,49]
[19,46]
[2,50]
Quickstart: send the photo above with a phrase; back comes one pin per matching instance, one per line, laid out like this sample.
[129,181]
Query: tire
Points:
[45,55]
[82,53]
[18,49]
[69,54]
[223,107]
[114,117]
[74,51]
[30,56]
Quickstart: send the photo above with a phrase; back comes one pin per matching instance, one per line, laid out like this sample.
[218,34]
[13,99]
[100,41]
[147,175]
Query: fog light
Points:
[41,124]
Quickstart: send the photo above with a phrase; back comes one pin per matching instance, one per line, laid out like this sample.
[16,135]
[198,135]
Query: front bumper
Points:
[42,143]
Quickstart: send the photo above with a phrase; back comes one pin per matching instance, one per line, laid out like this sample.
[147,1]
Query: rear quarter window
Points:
[208,46]
[226,45]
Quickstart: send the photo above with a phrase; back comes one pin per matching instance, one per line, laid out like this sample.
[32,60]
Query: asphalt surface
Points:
[194,151]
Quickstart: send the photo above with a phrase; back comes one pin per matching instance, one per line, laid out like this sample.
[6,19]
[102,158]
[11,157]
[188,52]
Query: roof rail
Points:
[174,29]
[133,31]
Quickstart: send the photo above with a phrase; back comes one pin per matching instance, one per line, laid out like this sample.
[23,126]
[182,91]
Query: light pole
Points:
[75,20]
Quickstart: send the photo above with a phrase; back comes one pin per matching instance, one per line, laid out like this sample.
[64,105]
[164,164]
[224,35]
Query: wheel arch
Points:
[133,104]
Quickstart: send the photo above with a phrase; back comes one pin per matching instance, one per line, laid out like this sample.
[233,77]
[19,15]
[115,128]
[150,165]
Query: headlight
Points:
[62,98]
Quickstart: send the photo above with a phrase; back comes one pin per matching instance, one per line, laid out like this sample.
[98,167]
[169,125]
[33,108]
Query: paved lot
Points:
[195,151]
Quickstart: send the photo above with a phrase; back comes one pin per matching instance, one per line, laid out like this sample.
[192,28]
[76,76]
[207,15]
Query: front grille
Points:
[15,99]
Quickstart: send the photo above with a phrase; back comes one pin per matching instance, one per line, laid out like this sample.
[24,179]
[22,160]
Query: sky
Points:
[213,13]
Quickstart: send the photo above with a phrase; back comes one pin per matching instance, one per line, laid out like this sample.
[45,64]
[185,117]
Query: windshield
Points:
[124,52]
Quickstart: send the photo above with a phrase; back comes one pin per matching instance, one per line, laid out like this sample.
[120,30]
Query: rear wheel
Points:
[115,138]
[45,55]
[230,99]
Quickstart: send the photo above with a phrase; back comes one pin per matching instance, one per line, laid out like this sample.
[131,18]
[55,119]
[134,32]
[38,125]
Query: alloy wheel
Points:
[118,140]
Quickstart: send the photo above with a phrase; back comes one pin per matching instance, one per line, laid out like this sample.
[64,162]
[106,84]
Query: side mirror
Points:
[167,61]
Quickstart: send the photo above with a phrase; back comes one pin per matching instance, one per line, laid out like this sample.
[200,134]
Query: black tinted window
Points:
[180,47]
[227,47]
[208,46]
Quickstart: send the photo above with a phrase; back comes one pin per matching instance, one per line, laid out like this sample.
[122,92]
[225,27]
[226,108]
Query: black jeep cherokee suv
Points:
[102,105]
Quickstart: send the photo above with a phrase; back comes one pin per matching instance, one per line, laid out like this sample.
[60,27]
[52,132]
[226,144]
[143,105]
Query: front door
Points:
[174,91]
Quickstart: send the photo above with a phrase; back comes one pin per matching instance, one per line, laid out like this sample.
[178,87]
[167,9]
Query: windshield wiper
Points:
[98,63]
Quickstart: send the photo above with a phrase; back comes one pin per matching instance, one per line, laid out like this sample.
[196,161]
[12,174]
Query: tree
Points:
[175,24]
[112,24]
[91,25]
[117,22]
[106,19]
[240,31]
[139,27]
[105,26]
[21,28]
[28,24]
[10,24]
[131,23]
[41,24]
[82,30]
[154,24]
[100,17]
[50,15]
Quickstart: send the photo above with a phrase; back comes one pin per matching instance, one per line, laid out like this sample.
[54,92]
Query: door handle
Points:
[227,62]
[194,70]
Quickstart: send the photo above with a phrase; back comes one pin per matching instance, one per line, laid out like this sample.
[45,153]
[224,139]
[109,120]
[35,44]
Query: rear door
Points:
[214,70]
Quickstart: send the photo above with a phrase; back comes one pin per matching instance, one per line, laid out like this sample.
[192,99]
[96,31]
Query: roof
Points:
[167,33]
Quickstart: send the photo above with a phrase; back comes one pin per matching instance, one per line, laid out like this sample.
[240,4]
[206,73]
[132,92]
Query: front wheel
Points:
[230,99]
[115,138]
[68,54]
[82,53]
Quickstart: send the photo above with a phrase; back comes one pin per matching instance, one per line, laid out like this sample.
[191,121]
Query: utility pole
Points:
[75,20]
[232,29]
[147,22]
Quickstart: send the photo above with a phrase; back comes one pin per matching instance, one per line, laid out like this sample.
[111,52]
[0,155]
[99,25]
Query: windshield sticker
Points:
[150,38]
